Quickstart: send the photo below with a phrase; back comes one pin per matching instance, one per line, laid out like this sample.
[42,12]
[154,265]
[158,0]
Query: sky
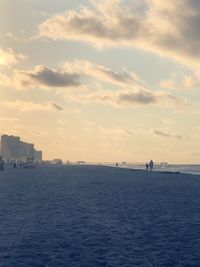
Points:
[104,80]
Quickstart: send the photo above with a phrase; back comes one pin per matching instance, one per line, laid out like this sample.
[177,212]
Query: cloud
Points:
[28,106]
[165,134]
[84,67]
[8,57]
[4,80]
[72,74]
[42,76]
[125,98]
[181,81]
[133,91]
[164,27]
[129,132]
[17,38]
[56,106]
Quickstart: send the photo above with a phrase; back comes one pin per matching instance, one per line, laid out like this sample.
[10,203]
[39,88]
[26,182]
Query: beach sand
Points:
[98,216]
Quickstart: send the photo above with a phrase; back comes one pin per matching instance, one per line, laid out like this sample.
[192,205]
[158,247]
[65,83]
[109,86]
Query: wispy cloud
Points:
[125,98]
[181,81]
[85,67]
[165,134]
[72,74]
[132,90]
[129,132]
[56,106]
[29,106]
[5,80]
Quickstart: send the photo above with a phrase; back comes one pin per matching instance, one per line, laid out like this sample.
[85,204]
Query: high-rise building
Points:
[38,156]
[10,147]
[23,151]
[30,151]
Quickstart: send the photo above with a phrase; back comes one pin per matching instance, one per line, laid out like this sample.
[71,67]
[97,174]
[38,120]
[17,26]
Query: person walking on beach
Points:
[1,164]
[147,166]
[151,164]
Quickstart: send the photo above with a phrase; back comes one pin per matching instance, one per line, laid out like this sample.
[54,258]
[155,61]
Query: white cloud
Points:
[164,27]
[84,67]
[4,80]
[181,81]
[8,57]
[133,91]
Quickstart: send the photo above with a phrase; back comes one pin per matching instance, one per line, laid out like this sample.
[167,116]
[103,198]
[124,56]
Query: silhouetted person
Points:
[151,164]
[117,164]
[147,166]
[2,165]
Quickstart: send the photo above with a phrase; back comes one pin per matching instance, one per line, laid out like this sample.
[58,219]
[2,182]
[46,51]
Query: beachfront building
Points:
[10,147]
[26,151]
[23,151]
[38,155]
[30,151]
[13,149]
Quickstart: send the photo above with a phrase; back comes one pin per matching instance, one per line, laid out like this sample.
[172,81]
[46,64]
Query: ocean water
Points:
[183,168]
[92,216]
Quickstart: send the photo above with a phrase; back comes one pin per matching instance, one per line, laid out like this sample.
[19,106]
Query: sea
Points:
[182,168]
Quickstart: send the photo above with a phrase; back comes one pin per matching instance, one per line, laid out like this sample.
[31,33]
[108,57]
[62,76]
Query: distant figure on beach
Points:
[1,164]
[116,164]
[151,164]
[147,166]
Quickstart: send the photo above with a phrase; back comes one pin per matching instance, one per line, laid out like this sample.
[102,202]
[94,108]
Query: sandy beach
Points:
[98,216]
